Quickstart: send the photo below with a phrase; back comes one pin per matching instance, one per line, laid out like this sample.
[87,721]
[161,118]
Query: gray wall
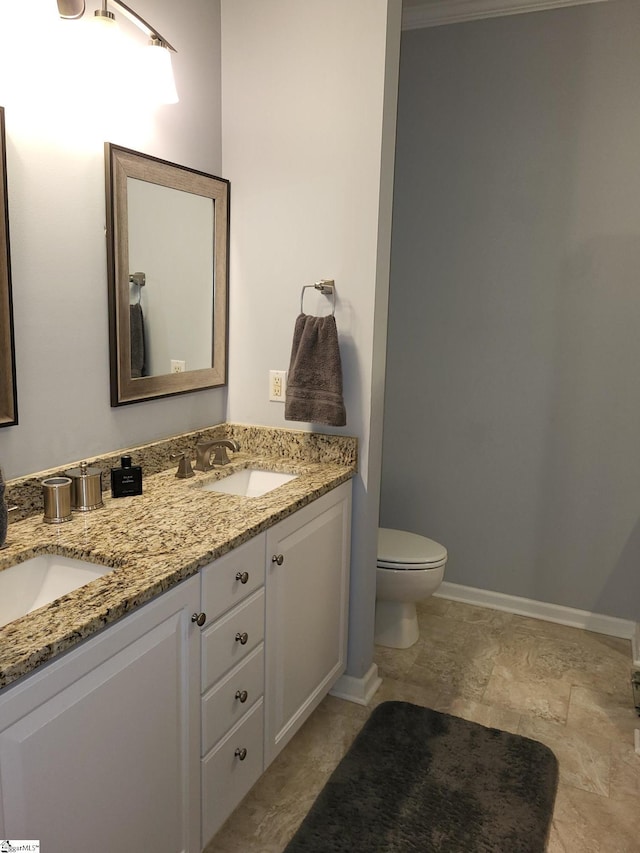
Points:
[512,409]
[308,147]
[56,128]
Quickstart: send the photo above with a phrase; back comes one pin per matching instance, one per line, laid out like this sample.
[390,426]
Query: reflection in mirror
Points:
[167,233]
[170,235]
[8,398]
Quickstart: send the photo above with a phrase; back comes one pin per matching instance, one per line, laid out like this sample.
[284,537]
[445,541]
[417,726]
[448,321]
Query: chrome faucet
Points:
[220,457]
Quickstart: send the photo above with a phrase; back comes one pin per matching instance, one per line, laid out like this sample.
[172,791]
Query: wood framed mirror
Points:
[8,395]
[167,254]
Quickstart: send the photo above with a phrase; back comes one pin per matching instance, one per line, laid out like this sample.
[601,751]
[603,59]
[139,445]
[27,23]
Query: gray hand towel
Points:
[136,323]
[314,384]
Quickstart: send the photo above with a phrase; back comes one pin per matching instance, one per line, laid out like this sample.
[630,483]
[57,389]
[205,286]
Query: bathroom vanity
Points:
[149,732]
[273,645]
[97,748]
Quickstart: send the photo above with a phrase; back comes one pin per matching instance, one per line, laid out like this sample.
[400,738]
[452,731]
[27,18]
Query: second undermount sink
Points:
[40,580]
[249,483]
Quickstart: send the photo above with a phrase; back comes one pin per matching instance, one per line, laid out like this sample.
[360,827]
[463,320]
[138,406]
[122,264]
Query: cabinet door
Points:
[307,601]
[99,750]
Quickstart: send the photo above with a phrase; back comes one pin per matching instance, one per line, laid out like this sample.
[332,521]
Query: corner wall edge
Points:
[358,690]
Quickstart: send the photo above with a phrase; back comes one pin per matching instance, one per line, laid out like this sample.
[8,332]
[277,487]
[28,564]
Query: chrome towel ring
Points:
[327,287]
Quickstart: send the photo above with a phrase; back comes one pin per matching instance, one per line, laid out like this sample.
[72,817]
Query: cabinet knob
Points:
[278,558]
[242,638]
[242,695]
[199,619]
[241,753]
[243,577]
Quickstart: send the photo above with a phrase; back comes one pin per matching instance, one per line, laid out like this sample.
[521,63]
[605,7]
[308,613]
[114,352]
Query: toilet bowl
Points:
[410,568]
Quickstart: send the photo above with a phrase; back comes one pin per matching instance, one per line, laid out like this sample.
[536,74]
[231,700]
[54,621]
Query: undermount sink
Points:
[249,483]
[40,580]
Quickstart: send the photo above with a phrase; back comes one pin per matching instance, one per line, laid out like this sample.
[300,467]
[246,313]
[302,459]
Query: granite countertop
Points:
[154,541]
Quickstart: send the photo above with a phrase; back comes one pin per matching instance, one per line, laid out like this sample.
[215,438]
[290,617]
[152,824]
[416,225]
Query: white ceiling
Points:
[431,13]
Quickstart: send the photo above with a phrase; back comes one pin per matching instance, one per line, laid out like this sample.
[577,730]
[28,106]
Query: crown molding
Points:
[437,12]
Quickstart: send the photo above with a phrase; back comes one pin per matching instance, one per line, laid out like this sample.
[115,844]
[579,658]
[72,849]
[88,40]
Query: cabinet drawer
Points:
[221,708]
[222,648]
[225,778]
[222,586]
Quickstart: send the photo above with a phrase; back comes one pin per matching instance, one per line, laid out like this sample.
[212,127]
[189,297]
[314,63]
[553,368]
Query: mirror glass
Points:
[8,398]
[167,235]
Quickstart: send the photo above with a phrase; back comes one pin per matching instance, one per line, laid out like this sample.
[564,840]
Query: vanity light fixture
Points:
[71,9]
[157,68]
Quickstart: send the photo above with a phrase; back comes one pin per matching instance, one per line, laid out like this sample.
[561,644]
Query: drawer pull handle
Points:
[199,619]
[241,753]
[278,558]
[242,695]
[243,577]
[242,638]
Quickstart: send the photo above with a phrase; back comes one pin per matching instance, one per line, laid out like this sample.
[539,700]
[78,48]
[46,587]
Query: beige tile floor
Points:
[563,686]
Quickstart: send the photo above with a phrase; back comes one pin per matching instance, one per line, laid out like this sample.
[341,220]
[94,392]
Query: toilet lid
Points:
[400,546]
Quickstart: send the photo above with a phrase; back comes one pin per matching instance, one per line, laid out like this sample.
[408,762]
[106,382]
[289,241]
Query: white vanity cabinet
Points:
[147,735]
[307,612]
[99,748]
[232,680]
[273,644]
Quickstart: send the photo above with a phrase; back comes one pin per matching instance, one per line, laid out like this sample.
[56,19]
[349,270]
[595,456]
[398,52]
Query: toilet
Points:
[410,568]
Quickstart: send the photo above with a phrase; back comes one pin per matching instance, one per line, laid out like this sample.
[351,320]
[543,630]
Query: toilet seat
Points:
[401,550]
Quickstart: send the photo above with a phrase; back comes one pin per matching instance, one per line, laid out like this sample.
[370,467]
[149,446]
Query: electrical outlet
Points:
[277,385]
[178,365]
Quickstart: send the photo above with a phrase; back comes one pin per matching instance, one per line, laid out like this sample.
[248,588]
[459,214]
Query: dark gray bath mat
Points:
[417,781]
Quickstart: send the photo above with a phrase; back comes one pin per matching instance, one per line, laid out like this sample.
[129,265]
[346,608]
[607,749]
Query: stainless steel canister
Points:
[56,492]
[86,488]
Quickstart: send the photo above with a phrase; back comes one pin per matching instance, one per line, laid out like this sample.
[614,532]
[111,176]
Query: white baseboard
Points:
[614,627]
[635,645]
[358,690]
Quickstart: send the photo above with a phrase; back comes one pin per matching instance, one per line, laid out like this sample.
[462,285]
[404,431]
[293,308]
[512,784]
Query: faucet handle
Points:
[184,465]
[220,457]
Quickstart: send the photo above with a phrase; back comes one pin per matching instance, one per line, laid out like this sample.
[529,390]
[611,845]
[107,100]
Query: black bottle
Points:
[126,480]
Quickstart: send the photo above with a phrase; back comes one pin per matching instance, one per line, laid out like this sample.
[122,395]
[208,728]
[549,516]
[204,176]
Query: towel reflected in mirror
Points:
[136,324]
